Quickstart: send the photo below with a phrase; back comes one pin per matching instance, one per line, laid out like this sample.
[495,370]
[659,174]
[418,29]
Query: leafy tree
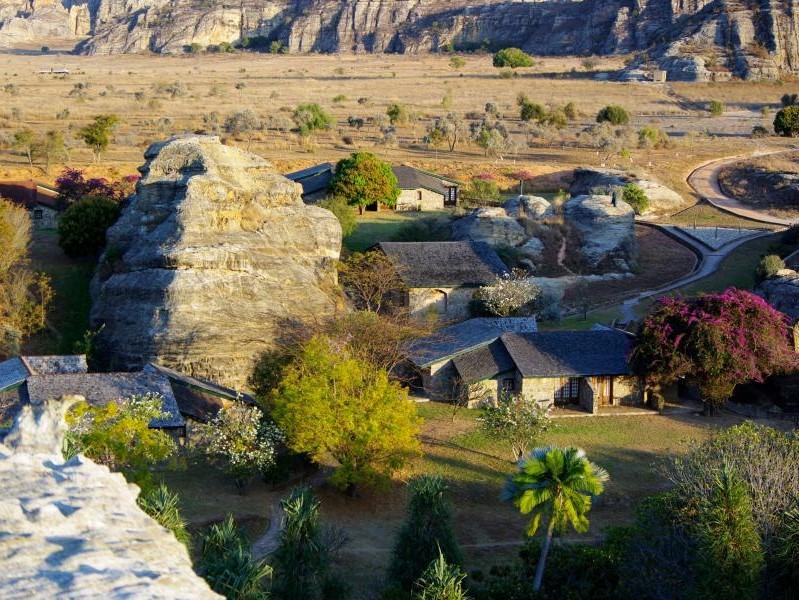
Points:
[51,147]
[715,341]
[426,533]
[511,294]
[789,100]
[25,142]
[164,506]
[515,420]
[513,58]
[716,108]
[243,442]
[364,179]
[491,135]
[557,484]
[73,185]
[310,118]
[226,564]
[332,405]
[82,226]
[441,580]
[635,196]
[613,114]
[343,211]
[243,122]
[119,435]
[302,558]
[786,121]
[768,266]
[397,113]
[448,129]
[532,111]
[730,549]
[370,280]
[484,188]
[97,134]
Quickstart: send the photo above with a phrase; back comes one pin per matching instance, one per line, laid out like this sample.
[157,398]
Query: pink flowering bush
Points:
[715,341]
[73,186]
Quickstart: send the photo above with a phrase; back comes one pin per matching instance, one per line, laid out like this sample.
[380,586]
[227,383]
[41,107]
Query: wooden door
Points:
[603,388]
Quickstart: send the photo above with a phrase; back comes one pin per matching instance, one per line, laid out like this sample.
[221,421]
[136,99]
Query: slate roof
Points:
[444,264]
[198,398]
[569,353]
[462,337]
[484,362]
[101,388]
[410,178]
[313,179]
[15,370]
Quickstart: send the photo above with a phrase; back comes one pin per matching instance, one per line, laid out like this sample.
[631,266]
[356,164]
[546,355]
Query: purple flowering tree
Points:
[715,341]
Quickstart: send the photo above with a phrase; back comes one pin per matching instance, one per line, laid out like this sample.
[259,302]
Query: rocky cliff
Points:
[782,292]
[73,530]
[691,39]
[212,257]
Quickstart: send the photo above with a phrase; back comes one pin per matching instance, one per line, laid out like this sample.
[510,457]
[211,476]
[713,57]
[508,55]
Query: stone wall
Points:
[443,303]
[410,200]
[539,389]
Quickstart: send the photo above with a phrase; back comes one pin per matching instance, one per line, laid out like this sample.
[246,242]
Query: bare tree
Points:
[370,279]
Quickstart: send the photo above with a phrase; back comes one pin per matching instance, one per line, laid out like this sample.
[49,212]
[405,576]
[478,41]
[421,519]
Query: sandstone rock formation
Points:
[491,225]
[662,200]
[25,21]
[782,292]
[212,258]
[530,207]
[690,39]
[607,231]
[73,530]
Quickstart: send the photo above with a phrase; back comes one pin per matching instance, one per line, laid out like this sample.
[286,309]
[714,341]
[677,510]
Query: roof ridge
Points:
[27,365]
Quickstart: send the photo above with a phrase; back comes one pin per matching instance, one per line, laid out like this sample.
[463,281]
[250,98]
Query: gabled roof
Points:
[462,337]
[313,179]
[444,264]
[198,398]
[569,353]
[15,370]
[101,388]
[483,363]
[410,178]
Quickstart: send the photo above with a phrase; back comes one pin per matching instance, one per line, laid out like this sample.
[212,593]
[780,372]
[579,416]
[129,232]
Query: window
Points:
[38,213]
[419,195]
[568,390]
[508,384]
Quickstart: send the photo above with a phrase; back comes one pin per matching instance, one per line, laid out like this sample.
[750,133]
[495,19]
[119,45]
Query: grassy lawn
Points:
[68,317]
[374,227]
[707,215]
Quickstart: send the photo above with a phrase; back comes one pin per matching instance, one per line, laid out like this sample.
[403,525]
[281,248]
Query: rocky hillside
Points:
[692,39]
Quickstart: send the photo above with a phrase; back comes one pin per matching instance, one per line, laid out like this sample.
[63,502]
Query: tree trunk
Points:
[360,209]
[542,561]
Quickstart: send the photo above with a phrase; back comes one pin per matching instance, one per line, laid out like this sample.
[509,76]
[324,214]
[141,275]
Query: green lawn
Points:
[383,226]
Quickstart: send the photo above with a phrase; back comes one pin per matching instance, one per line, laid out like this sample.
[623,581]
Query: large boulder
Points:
[212,259]
[607,232]
[590,181]
[491,225]
[529,207]
[782,292]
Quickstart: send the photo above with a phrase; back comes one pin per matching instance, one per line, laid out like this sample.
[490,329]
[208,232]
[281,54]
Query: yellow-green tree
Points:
[364,179]
[331,405]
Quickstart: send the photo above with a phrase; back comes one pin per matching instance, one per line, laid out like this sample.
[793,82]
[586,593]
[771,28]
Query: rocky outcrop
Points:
[72,529]
[662,200]
[782,292]
[491,225]
[691,40]
[529,207]
[607,231]
[211,260]
[23,21]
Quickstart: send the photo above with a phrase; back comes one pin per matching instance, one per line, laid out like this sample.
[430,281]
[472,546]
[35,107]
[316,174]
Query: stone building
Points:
[421,190]
[40,200]
[442,277]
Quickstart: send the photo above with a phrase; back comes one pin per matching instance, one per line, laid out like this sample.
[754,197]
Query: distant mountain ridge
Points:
[691,39]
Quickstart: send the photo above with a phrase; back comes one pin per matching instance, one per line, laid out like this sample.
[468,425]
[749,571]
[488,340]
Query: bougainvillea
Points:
[73,185]
[715,341]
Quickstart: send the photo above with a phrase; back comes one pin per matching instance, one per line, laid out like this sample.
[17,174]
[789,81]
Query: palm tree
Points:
[558,483]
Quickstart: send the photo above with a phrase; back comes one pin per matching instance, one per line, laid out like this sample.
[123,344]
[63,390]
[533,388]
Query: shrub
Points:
[758,131]
[507,74]
[786,121]
[441,580]
[484,189]
[530,111]
[456,62]
[397,113]
[310,118]
[650,136]
[343,211]
[515,420]
[789,100]
[635,196]
[716,108]
[509,295]
[570,110]
[513,58]
[768,266]
[164,506]
[613,114]
[82,226]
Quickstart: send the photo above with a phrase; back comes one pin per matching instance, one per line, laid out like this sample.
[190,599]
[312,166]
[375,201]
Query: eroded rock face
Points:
[662,200]
[530,207]
[782,292]
[212,258]
[73,530]
[607,231]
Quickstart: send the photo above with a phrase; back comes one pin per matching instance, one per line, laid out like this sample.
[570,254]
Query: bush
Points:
[613,114]
[570,110]
[636,197]
[789,100]
[397,113]
[530,111]
[164,506]
[786,122]
[310,118]
[758,131]
[716,108]
[513,58]
[768,266]
[343,211]
[483,189]
[82,226]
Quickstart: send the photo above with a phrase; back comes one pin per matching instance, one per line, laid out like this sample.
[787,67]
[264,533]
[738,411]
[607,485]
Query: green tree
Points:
[789,99]
[97,134]
[370,280]
[243,442]
[635,196]
[332,405]
[397,113]
[613,114]
[82,226]
[310,118]
[440,581]
[426,533]
[51,147]
[119,435]
[516,421]
[364,179]
[513,58]
[343,211]
[556,484]
[768,266]
[25,142]
[164,506]
[226,564]
[484,189]
[531,111]
[786,121]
